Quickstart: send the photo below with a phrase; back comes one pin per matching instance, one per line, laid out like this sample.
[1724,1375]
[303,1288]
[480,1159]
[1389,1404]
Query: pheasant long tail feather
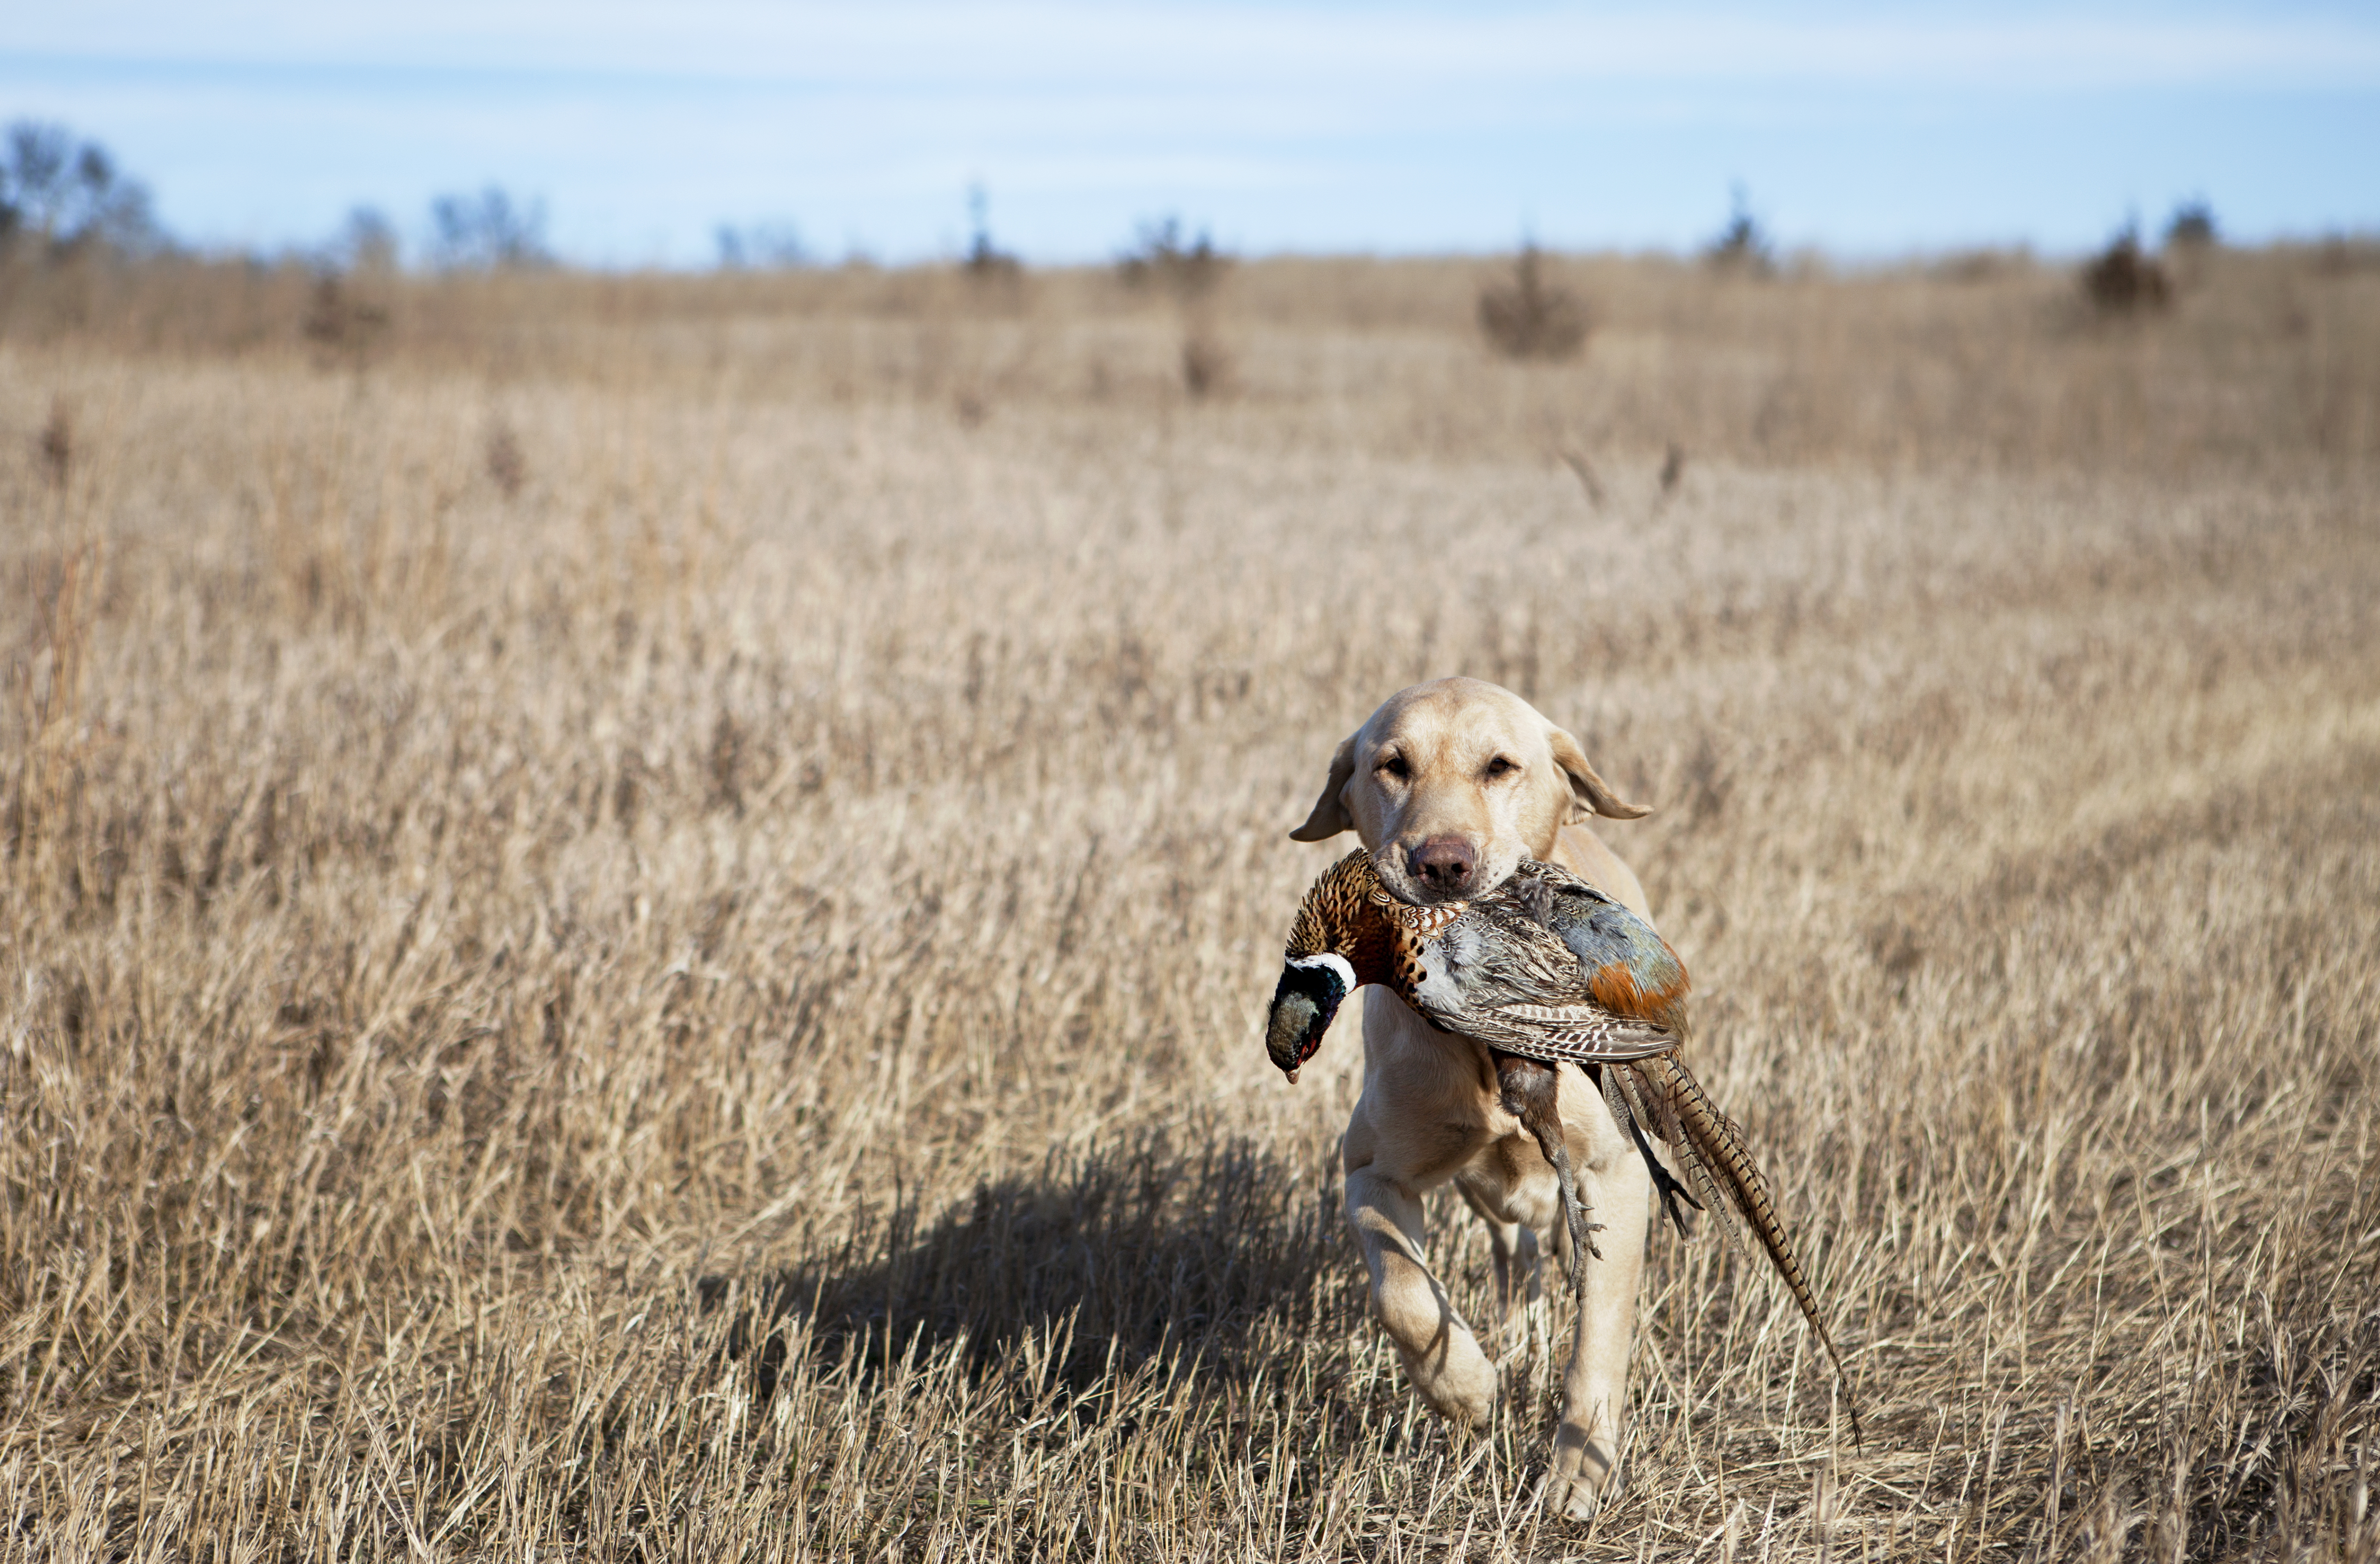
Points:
[1702,1189]
[1631,1118]
[1716,1149]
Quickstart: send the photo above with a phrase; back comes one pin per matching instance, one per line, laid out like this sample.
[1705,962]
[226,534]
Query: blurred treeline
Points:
[2159,356]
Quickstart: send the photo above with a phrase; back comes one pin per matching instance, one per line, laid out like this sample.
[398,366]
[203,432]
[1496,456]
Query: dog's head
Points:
[1451,784]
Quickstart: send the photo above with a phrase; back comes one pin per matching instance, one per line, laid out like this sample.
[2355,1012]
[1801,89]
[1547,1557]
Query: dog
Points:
[1449,786]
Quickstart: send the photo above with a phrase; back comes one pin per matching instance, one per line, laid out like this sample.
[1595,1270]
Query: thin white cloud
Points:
[1361,51]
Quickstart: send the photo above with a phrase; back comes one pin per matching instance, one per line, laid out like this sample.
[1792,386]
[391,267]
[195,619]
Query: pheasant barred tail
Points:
[1712,1146]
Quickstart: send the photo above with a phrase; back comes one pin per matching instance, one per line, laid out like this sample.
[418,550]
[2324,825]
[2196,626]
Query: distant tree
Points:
[65,196]
[367,242]
[780,245]
[986,262]
[488,232]
[1161,257]
[769,246]
[1744,244]
[2191,226]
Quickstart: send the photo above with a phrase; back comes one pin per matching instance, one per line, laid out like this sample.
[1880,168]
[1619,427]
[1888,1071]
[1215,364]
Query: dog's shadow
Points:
[1099,1262]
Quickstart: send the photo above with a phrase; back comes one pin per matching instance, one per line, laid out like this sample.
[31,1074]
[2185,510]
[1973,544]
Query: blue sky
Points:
[1868,131]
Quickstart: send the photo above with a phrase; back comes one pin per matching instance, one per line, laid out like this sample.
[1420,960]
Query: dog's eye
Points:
[1500,766]
[1395,766]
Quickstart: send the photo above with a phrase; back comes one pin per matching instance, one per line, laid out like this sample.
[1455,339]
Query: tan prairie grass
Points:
[635,915]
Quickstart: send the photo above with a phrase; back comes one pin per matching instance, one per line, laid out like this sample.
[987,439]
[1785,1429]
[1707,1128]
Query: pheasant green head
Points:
[1344,936]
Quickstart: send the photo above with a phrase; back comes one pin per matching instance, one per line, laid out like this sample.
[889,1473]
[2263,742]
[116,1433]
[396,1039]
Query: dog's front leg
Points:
[1618,1194]
[1438,1350]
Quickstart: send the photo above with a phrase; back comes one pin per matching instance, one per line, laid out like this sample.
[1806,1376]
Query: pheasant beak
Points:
[1308,994]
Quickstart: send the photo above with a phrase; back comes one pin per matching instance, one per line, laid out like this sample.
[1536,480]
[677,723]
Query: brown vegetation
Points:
[1529,317]
[700,998]
[2123,279]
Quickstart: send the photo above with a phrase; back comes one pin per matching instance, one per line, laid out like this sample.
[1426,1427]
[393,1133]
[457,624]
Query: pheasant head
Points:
[1347,934]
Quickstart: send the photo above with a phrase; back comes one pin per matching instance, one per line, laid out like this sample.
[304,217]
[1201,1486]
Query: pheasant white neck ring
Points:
[1333,962]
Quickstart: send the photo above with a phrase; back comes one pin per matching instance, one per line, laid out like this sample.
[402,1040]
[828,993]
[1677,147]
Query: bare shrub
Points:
[504,460]
[1161,257]
[2122,280]
[1186,272]
[488,231]
[1206,364]
[344,327]
[1529,317]
[56,444]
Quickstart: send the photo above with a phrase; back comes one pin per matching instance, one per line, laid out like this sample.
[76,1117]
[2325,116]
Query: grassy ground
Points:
[636,910]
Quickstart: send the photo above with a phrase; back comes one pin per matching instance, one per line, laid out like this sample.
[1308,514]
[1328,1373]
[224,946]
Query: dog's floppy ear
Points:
[1331,816]
[1589,794]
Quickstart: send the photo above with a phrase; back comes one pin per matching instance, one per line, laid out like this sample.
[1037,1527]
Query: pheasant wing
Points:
[1584,1034]
[1623,961]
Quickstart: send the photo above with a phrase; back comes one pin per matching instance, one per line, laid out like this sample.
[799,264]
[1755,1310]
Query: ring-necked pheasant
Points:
[1542,970]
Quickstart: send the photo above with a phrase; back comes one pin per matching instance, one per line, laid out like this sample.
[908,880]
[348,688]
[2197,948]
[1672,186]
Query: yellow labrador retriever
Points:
[1449,786]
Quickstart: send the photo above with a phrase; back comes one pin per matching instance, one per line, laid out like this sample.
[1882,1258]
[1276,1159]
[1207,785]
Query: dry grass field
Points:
[636,909]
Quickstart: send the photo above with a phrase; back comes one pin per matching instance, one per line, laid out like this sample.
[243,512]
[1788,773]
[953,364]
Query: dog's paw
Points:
[1578,1497]
[1584,1477]
[1460,1385]
[1471,1406]
[1572,1499]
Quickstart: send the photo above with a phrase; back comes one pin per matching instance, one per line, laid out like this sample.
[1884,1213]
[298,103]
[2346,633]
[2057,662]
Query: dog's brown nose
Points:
[1445,865]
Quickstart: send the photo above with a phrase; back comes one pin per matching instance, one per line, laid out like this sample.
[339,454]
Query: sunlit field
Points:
[637,910]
